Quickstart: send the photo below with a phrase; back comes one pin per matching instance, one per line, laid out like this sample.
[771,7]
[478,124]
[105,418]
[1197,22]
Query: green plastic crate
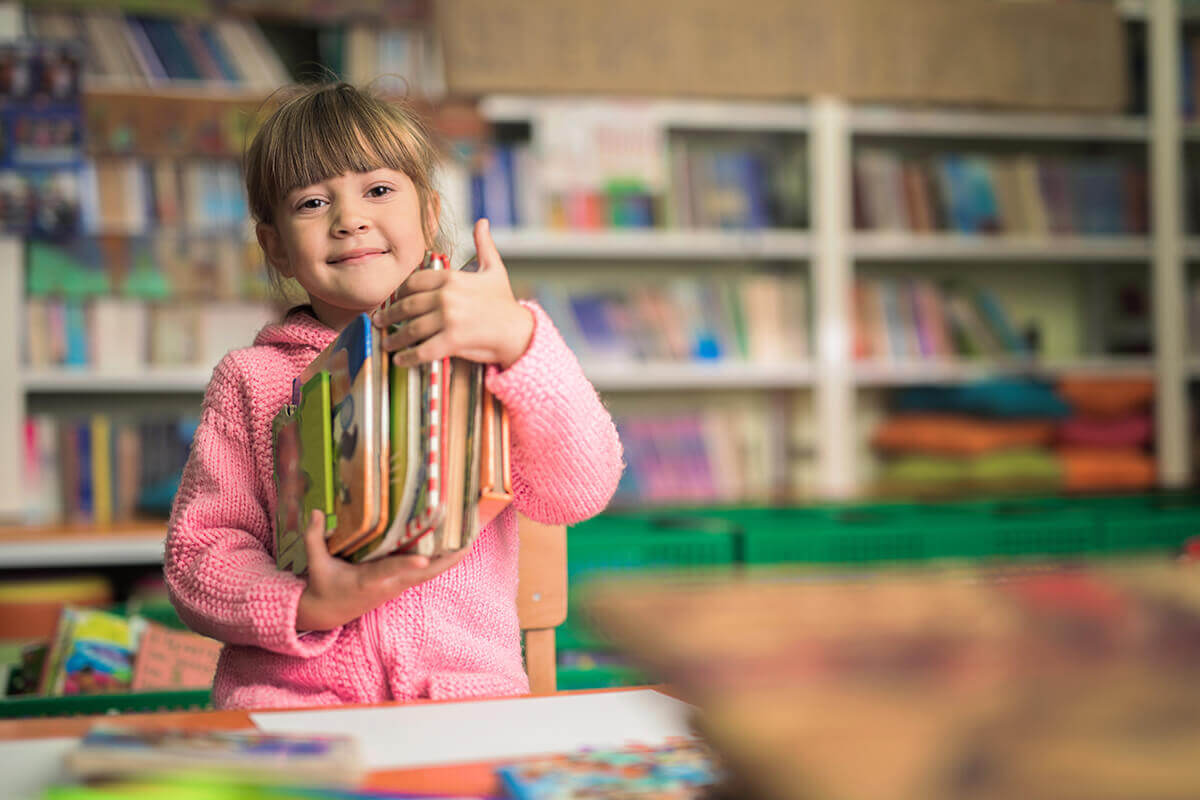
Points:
[849,534]
[600,677]
[614,543]
[94,704]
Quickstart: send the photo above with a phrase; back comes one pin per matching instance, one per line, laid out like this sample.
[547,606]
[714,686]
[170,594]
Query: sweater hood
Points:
[298,329]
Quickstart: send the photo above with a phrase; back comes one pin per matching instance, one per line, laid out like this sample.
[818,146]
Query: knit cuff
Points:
[541,365]
[274,602]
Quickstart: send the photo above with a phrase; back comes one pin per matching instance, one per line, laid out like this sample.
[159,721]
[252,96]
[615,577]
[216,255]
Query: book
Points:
[402,460]
[92,652]
[174,659]
[675,770]
[113,750]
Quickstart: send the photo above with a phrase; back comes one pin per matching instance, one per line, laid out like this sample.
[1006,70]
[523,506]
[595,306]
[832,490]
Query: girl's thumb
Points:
[489,256]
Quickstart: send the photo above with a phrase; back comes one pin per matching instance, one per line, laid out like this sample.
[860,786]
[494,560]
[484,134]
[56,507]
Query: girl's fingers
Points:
[431,349]
[405,309]
[422,280]
[414,330]
[314,539]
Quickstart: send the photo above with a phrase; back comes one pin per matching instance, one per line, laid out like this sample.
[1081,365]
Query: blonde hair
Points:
[319,131]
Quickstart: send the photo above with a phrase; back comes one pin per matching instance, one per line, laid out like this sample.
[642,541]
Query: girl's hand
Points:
[339,592]
[472,315]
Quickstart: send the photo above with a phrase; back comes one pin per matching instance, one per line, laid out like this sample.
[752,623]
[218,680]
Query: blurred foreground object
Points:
[1030,682]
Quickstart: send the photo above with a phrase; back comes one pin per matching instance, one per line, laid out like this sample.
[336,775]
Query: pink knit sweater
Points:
[453,636]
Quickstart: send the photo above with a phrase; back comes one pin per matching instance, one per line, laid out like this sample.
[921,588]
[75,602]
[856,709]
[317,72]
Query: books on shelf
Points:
[408,58]
[721,450]
[101,468]
[135,196]
[112,334]
[396,458]
[690,181]
[131,50]
[1024,194]
[759,318]
[915,319]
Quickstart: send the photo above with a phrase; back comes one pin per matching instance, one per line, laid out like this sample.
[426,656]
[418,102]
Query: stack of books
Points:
[398,459]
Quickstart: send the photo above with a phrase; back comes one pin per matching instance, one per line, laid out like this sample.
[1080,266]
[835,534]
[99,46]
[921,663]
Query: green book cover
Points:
[316,447]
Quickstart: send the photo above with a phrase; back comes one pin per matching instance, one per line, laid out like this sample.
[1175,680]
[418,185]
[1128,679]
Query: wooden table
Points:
[477,778]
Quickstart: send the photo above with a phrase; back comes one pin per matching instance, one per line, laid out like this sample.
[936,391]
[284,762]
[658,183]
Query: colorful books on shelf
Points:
[1023,194]
[721,451]
[919,319]
[150,50]
[718,182]
[760,318]
[398,459]
[102,468]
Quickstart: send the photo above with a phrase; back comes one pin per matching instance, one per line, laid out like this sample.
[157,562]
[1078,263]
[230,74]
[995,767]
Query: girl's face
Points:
[349,240]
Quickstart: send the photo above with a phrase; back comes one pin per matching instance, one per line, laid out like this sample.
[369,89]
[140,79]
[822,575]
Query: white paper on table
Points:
[427,734]
[30,766]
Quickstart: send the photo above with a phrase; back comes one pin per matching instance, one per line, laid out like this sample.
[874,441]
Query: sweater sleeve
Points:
[566,456]
[219,571]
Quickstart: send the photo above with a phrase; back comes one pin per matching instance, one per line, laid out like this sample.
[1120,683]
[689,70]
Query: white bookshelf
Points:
[607,376]
[995,125]
[962,247]
[652,244]
[116,548]
[187,380]
[649,377]
[887,374]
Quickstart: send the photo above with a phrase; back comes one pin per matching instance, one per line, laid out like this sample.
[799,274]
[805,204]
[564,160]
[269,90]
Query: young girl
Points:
[340,185]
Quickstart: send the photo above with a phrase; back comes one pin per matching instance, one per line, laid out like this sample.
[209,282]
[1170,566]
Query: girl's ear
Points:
[272,245]
[433,214]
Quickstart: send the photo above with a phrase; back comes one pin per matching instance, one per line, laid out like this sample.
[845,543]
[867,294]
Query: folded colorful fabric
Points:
[1019,466]
[1091,468]
[947,434]
[1008,398]
[1131,431]
[1107,397]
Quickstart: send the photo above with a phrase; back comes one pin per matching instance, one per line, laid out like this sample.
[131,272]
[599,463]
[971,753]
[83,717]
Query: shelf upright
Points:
[1173,435]
[12,390]
[832,277]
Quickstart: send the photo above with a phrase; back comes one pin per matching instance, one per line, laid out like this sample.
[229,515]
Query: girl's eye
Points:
[379,191]
[311,203]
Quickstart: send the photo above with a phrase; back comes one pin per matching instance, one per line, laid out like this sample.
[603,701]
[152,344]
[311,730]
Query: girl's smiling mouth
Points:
[354,256]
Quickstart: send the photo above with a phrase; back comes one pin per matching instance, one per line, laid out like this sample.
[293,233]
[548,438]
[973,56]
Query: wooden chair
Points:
[541,598]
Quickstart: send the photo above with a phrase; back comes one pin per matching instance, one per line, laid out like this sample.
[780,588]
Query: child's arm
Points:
[221,577]
[566,455]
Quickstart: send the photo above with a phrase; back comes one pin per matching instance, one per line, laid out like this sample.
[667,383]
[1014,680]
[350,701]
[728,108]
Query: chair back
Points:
[541,598]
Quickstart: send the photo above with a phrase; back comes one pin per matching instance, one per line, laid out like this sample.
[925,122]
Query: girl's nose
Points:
[349,221]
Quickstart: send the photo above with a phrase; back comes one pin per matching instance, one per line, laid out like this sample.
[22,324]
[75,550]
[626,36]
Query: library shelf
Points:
[607,376]
[895,246]
[667,376]
[913,123]
[653,244]
[113,545]
[175,380]
[902,373]
[722,115]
